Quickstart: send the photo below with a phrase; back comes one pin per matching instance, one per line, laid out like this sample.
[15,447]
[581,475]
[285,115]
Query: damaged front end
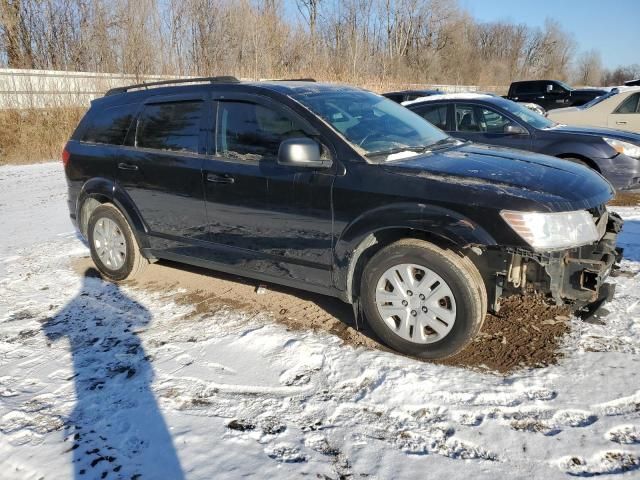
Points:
[575,276]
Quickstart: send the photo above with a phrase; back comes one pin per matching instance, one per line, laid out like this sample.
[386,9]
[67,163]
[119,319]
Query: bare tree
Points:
[589,68]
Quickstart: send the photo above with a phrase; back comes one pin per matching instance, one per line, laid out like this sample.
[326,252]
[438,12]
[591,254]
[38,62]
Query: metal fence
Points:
[50,88]
[23,89]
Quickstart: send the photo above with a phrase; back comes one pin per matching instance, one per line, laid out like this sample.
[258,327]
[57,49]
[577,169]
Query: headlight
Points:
[553,231]
[628,149]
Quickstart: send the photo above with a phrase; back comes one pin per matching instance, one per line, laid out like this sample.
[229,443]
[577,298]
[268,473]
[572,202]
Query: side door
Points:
[274,220]
[627,115]
[161,170]
[555,96]
[482,124]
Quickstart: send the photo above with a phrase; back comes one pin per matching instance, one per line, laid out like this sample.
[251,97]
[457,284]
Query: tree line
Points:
[356,41]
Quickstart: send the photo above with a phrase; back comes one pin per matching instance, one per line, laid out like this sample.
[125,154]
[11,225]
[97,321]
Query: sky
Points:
[611,27]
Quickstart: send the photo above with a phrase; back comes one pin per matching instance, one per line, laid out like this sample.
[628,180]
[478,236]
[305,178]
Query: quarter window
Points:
[630,105]
[110,126]
[170,126]
[248,131]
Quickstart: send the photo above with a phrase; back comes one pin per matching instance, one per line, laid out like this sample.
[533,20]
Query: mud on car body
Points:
[340,191]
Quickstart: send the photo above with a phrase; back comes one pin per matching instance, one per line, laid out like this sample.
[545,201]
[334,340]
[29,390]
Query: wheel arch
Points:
[583,158]
[381,227]
[98,191]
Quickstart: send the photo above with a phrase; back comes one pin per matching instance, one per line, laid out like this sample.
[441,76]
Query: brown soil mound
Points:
[526,333]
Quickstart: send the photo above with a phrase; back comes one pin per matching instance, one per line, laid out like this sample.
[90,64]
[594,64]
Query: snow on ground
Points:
[106,381]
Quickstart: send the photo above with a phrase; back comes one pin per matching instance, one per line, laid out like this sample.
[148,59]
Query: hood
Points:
[551,183]
[598,131]
[553,112]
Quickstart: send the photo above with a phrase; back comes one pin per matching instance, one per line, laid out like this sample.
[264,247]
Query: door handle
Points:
[224,178]
[127,166]
[621,123]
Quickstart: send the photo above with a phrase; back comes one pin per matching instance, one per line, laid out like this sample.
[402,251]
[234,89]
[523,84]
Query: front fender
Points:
[576,148]
[437,222]
[104,189]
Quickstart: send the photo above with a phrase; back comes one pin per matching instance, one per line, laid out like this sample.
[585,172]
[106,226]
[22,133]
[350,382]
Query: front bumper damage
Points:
[576,276]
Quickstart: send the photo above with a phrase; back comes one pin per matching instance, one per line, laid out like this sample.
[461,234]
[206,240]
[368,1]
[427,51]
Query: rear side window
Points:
[630,105]
[248,131]
[170,126]
[435,114]
[110,125]
[466,120]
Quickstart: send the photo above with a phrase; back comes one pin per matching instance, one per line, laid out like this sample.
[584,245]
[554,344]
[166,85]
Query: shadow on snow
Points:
[116,429]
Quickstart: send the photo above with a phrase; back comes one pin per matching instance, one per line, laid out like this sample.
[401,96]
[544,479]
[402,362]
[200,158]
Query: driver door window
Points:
[493,122]
[252,132]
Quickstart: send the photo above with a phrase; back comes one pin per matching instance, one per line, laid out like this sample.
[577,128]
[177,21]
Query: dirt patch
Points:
[209,291]
[626,199]
[526,333]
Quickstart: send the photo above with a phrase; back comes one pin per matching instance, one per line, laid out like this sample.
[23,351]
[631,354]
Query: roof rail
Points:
[291,80]
[221,79]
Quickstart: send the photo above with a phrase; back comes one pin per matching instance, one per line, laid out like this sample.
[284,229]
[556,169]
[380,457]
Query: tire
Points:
[453,299]
[125,261]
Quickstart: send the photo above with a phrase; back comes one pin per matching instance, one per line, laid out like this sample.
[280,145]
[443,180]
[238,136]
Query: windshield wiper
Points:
[445,142]
[391,151]
[425,148]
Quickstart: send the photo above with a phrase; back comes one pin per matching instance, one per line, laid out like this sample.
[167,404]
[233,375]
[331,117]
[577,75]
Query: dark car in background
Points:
[407,95]
[550,94]
[339,191]
[496,121]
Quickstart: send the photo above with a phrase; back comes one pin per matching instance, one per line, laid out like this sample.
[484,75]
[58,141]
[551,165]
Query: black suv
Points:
[551,94]
[336,190]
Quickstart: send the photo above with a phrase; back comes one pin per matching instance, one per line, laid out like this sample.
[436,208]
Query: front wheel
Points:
[423,300]
[113,246]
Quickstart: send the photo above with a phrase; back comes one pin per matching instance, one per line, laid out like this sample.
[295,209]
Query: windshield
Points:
[375,124]
[528,116]
[597,100]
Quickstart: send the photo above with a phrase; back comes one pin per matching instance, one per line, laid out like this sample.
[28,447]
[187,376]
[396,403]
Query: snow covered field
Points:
[101,381]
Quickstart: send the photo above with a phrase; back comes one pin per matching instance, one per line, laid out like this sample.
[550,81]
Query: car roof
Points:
[421,90]
[292,88]
[453,96]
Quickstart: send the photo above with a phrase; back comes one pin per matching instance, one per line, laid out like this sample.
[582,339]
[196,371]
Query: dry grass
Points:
[35,135]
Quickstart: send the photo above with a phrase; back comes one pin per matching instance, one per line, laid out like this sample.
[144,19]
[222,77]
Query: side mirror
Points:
[301,152]
[514,130]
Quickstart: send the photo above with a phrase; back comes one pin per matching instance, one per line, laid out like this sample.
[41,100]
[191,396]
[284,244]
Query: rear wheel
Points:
[423,300]
[113,246]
